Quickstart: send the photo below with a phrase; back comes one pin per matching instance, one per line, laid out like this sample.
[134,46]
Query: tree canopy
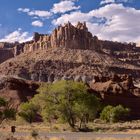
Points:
[68,101]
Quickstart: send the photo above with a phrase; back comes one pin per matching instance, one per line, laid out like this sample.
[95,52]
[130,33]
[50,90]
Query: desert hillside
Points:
[70,52]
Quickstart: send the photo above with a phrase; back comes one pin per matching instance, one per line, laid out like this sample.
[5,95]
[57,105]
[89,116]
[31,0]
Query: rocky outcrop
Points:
[67,36]
[6,54]
[72,37]
[62,63]
[118,90]
[16,90]
[6,51]
[70,52]
[6,45]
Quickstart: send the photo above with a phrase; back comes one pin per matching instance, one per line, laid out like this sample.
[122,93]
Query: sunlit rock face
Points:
[69,52]
[66,36]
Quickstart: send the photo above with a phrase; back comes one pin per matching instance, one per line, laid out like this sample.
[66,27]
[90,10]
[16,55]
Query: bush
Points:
[114,114]
[106,112]
[28,111]
[9,113]
[5,111]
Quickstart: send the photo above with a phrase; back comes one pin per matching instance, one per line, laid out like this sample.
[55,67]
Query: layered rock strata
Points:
[67,36]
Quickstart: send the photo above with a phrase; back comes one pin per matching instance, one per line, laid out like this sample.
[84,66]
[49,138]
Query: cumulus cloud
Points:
[37,23]
[73,17]
[38,13]
[64,6]
[17,35]
[118,23]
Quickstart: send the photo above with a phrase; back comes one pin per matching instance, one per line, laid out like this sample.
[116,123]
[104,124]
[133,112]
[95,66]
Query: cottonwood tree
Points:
[68,101]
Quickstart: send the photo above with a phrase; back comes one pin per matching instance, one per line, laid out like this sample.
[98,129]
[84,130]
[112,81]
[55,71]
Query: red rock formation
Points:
[5,54]
[17,90]
[68,36]
[74,37]
[6,51]
[119,90]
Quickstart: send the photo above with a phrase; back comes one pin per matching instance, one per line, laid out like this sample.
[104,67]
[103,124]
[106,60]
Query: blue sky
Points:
[116,20]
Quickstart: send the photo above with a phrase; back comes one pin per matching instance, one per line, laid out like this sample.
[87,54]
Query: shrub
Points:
[28,111]
[106,112]
[9,113]
[114,114]
[5,111]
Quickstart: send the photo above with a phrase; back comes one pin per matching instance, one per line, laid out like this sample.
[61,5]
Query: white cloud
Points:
[113,1]
[73,17]
[64,6]
[17,35]
[38,13]
[107,1]
[37,23]
[25,10]
[120,24]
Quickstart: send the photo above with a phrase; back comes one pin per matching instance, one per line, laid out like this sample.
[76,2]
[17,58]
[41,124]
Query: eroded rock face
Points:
[6,54]
[67,36]
[17,90]
[72,37]
[73,52]
[118,90]
[6,51]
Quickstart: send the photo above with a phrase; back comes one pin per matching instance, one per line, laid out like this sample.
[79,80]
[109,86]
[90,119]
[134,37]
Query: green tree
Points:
[114,114]
[28,111]
[68,101]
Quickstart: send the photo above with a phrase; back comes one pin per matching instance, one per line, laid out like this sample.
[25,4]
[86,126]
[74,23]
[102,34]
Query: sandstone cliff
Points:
[68,52]
[67,36]
[6,51]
